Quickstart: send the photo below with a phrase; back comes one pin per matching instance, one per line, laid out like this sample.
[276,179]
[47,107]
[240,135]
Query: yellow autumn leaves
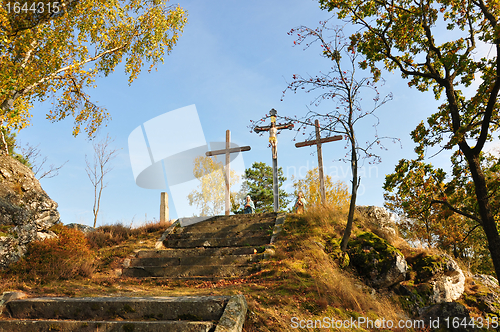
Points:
[60,56]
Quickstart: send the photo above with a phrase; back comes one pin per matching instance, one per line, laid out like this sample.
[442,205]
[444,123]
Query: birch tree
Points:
[55,50]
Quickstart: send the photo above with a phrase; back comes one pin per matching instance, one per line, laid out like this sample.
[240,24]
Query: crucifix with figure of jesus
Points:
[273,140]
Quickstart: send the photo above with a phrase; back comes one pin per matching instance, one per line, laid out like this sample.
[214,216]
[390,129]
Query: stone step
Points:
[196,260]
[205,227]
[192,252]
[239,219]
[138,314]
[190,271]
[217,242]
[220,234]
[207,308]
[108,326]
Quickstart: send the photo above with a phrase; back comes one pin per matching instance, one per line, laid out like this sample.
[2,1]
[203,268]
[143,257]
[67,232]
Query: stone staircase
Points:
[124,314]
[219,247]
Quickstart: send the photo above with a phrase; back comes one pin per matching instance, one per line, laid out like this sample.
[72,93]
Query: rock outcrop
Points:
[487,297]
[449,282]
[449,316]
[380,221]
[26,211]
[441,273]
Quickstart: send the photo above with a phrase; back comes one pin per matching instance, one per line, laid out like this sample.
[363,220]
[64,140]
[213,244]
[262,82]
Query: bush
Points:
[109,235]
[112,235]
[64,257]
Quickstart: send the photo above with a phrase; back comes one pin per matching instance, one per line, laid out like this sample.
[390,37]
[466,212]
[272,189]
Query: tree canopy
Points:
[337,193]
[416,191]
[210,196]
[412,37]
[258,183]
[55,50]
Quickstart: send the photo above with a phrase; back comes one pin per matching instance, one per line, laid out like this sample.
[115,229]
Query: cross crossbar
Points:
[314,142]
[232,150]
[318,141]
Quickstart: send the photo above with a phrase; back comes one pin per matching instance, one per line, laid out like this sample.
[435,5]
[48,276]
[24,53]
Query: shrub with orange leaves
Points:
[66,256]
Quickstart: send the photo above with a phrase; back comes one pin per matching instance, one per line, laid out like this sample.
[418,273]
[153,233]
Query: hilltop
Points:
[307,280]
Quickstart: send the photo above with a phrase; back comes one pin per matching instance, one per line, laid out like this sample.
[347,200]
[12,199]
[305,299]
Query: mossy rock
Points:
[425,266]
[375,258]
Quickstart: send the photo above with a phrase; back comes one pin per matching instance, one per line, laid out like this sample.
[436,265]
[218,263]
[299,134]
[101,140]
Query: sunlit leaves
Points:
[210,195]
[60,56]
[337,193]
[408,36]
[420,193]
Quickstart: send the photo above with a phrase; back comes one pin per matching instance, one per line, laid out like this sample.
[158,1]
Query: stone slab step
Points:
[191,252]
[103,326]
[221,235]
[239,219]
[186,271]
[202,308]
[232,228]
[217,242]
[196,260]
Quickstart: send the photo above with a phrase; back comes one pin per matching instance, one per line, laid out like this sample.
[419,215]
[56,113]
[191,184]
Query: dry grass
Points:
[113,235]
[305,282]
[301,280]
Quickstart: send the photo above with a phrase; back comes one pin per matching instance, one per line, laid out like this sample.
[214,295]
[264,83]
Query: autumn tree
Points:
[415,192]
[98,168]
[403,35]
[210,195]
[258,183]
[344,87]
[337,193]
[54,50]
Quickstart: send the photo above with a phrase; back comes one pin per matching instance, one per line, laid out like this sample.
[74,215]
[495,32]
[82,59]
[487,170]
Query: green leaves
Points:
[258,183]
[426,199]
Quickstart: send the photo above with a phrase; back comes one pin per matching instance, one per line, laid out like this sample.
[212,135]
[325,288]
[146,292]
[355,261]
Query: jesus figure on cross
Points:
[273,131]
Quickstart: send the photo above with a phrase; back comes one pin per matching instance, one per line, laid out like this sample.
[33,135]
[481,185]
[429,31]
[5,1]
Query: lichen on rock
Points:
[26,211]
[442,273]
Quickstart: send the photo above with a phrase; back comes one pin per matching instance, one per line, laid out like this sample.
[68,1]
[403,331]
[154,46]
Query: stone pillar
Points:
[164,207]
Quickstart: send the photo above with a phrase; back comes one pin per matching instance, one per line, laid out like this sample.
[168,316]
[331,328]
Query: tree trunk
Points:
[352,205]
[5,147]
[487,218]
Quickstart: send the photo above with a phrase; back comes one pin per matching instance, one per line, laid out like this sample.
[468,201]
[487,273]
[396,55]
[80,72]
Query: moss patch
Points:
[371,254]
[425,266]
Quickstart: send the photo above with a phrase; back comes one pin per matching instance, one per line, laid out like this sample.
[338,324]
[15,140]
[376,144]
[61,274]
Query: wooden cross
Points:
[273,131]
[227,151]
[318,141]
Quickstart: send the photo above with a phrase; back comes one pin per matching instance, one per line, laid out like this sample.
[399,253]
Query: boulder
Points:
[85,229]
[488,281]
[378,260]
[26,211]
[445,278]
[442,317]
[380,221]
[448,282]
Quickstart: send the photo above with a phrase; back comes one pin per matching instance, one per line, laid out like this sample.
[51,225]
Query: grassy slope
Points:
[301,280]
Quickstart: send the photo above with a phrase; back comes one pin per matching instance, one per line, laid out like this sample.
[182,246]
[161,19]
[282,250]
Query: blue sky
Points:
[233,62]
